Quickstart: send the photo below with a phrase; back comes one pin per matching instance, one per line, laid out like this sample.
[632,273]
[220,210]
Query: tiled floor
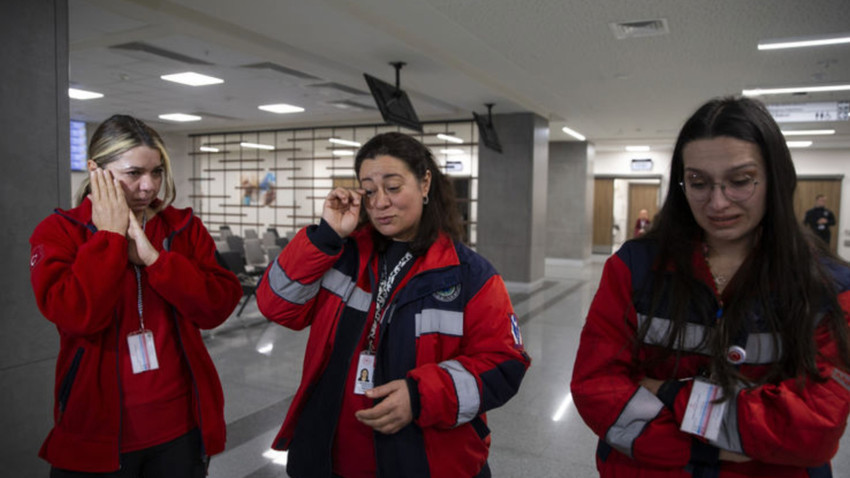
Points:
[537,434]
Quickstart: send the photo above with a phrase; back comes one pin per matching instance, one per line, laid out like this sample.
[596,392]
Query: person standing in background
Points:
[820,219]
[129,281]
[642,223]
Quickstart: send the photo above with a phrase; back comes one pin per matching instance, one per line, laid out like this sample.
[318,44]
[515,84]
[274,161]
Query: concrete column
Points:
[34,148]
[569,226]
[512,199]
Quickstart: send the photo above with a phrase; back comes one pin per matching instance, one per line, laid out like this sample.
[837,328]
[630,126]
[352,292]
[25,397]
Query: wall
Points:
[36,151]
[569,211]
[305,166]
[512,199]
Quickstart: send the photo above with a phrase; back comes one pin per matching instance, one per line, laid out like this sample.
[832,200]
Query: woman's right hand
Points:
[109,208]
[342,210]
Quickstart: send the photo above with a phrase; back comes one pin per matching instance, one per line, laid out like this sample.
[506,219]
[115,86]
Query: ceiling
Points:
[559,59]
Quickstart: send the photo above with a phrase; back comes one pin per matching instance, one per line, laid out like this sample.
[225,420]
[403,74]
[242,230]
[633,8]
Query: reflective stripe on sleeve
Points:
[468,399]
[340,284]
[436,321]
[289,289]
[641,409]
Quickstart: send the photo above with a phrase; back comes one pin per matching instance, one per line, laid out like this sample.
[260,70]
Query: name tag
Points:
[142,351]
[365,369]
[702,416]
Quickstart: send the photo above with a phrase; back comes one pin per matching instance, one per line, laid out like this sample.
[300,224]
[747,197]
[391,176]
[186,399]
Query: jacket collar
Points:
[441,254]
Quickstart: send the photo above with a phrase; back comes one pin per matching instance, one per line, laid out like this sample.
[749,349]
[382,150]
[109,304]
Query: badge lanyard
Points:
[141,343]
[384,289]
[366,362]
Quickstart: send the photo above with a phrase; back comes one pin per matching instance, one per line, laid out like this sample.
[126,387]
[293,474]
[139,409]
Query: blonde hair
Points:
[116,136]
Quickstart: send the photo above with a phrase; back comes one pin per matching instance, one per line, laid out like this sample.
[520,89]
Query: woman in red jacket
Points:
[717,343]
[412,335]
[129,282]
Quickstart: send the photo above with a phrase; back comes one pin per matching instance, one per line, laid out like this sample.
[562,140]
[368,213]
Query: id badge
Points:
[142,351]
[702,416]
[365,369]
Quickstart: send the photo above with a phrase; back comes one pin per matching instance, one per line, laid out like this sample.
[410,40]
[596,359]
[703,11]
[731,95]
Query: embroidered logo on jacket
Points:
[448,294]
[37,254]
[515,330]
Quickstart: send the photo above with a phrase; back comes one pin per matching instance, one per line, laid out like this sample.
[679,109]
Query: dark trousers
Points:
[179,458]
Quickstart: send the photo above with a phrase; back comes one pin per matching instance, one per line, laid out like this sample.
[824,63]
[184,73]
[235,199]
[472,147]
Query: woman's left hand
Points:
[140,250]
[393,413]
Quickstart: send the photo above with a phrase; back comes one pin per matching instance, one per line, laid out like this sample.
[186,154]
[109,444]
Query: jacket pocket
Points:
[68,381]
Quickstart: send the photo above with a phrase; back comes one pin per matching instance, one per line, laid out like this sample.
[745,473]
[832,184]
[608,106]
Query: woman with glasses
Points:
[717,343]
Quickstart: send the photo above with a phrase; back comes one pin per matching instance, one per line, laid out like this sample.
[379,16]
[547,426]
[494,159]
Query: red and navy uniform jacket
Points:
[449,330]
[75,272]
[786,430]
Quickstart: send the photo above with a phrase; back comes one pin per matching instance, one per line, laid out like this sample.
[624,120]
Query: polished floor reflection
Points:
[537,434]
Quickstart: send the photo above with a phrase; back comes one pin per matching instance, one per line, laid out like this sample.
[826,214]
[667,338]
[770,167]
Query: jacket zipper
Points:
[68,382]
[195,391]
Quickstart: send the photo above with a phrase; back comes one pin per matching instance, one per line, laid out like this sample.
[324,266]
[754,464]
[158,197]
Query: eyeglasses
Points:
[736,190]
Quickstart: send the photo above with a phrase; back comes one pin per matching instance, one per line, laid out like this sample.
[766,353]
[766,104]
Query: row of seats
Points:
[248,257]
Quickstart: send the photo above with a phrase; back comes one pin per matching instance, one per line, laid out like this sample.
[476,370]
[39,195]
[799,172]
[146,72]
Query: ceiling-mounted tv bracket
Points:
[397,65]
[486,132]
[490,112]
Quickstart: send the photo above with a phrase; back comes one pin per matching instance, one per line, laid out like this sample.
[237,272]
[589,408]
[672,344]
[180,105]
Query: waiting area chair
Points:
[232,261]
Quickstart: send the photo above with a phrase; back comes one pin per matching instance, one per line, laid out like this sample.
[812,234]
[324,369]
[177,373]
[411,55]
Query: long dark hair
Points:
[441,214]
[784,275]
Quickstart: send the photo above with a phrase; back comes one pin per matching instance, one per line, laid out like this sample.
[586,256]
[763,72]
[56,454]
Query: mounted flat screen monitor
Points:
[393,103]
[486,133]
[78,146]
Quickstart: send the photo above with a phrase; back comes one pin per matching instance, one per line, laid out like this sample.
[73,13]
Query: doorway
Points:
[616,203]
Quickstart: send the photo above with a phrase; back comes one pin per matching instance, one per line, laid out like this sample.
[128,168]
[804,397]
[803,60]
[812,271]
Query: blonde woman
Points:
[129,281]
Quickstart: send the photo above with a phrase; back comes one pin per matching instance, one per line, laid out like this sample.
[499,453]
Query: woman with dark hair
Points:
[717,343]
[129,282]
[386,287]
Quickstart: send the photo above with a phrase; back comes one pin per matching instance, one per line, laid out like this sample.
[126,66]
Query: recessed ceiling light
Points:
[180,117]
[245,144]
[452,151]
[798,144]
[192,79]
[281,108]
[637,149]
[344,142]
[794,89]
[342,152]
[804,42]
[575,134]
[83,94]
[808,132]
[209,149]
[450,139]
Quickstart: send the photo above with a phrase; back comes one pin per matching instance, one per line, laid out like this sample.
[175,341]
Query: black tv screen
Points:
[486,133]
[393,103]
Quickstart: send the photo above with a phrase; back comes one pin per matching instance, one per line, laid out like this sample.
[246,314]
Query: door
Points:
[603,215]
[804,199]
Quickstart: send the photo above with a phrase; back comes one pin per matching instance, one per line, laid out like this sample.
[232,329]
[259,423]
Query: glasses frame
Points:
[723,186]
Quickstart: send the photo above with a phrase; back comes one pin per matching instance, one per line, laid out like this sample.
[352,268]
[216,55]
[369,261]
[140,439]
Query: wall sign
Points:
[810,112]
[644,164]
